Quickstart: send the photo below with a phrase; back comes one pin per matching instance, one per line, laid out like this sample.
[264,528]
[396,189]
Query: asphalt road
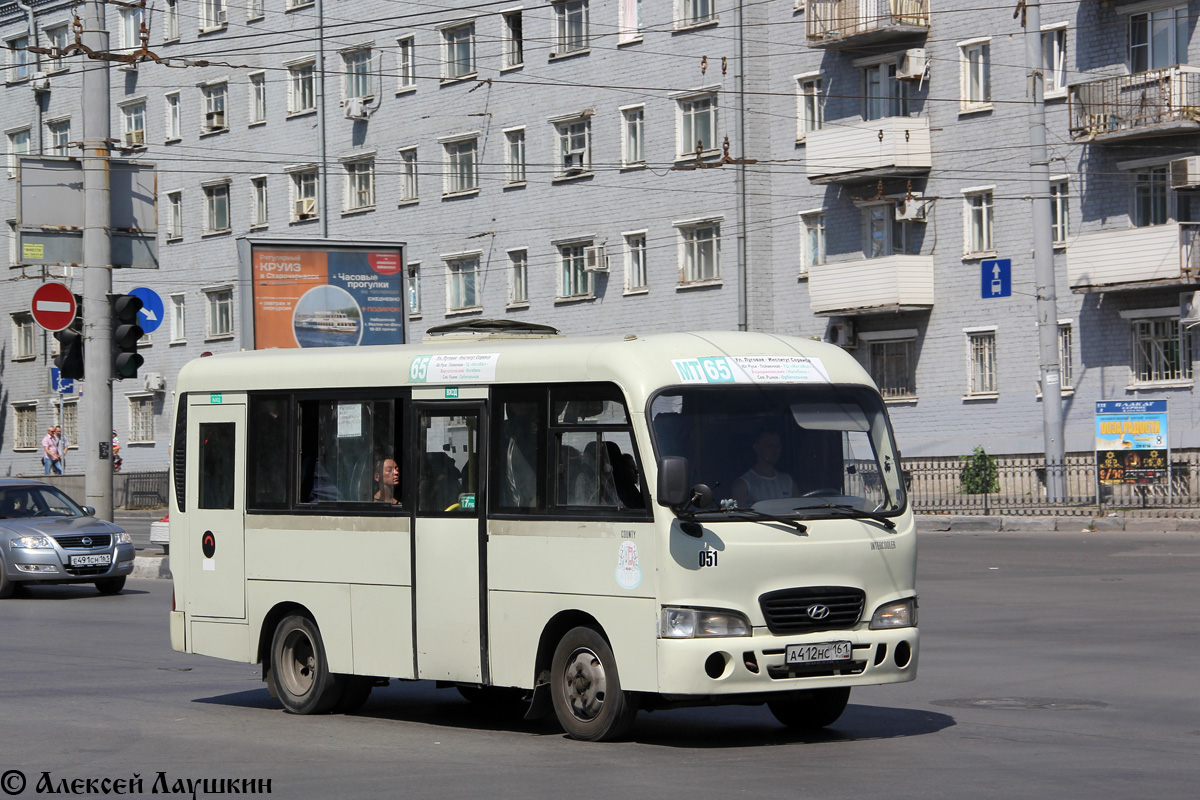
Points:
[1053,665]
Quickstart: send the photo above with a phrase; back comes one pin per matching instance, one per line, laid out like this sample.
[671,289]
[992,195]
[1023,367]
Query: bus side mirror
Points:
[674,488]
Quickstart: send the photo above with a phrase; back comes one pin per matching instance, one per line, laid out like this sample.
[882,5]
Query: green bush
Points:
[979,475]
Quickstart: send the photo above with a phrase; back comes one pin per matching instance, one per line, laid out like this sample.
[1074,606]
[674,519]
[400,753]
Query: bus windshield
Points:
[783,450]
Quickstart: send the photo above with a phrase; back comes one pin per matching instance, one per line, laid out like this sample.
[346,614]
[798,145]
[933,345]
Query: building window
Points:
[258,98]
[18,145]
[131,28]
[1054,61]
[359,78]
[171,21]
[461,276]
[976,75]
[60,137]
[697,124]
[254,9]
[635,262]
[214,107]
[408,175]
[360,185]
[893,367]
[302,92]
[25,432]
[133,124]
[695,12]
[458,45]
[877,222]
[574,279]
[1151,204]
[212,14]
[981,362]
[571,26]
[629,21]
[1060,209]
[258,189]
[462,173]
[810,107]
[414,290]
[141,418]
[518,277]
[70,424]
[220,312]
[574,146]
[1158,38]
[304,195]
[178,318]
[700,252]
[514,156]
[633,151]
[174,216]
[978,223]
[1066,362]
[812,240]
[172,125]
[18,59]
[885,95]
[24,340]
[216,208]
[514,40]
[406,66]
[1162,350]
[56,39]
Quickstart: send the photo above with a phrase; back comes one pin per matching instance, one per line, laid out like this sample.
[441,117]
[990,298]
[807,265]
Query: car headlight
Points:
[898,614]
[31,543]
[122,538]
[695,623]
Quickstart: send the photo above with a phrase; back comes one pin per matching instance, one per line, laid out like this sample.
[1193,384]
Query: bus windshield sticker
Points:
[751,369]
[629,573]
[456,368]
[349,420]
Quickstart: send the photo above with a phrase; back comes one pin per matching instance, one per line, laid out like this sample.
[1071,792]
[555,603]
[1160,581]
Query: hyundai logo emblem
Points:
[87,542]
[818,611]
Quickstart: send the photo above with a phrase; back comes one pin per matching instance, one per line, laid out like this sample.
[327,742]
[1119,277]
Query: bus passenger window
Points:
[598,470]
[518,456]
[216,464]
[347,452]
[266,457]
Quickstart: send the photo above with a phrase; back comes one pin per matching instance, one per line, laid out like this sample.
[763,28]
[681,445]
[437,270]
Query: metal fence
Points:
[1126,103]
[837,19]
[938,486]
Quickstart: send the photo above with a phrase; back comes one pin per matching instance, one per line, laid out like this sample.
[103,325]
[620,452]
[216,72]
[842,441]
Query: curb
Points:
[968,523]
[151,567]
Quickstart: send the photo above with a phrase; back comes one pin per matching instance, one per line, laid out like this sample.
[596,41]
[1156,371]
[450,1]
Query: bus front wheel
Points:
[586,688]
[300,671]
[812,709]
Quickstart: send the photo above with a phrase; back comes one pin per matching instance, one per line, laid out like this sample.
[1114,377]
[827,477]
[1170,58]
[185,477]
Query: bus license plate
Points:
[91,561]
[818,653]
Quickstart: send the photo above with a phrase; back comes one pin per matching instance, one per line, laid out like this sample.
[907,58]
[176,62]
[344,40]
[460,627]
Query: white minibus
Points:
[590,525]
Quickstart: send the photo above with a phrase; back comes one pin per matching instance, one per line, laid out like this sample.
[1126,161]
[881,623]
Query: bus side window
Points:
[267,451]
[520,427]
[347,452]
[216,464]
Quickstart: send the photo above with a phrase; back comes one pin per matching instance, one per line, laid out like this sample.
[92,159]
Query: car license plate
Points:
[91,561]
[818,653]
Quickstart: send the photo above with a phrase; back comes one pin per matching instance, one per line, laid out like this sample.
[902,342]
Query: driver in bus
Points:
[763,481]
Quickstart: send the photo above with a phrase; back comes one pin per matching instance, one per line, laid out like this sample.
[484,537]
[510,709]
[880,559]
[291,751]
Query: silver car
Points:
[45,537]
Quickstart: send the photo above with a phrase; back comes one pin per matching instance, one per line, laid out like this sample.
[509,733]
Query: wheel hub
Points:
[585,684]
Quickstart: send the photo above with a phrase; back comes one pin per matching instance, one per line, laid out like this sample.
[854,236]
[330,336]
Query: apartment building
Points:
[564,163]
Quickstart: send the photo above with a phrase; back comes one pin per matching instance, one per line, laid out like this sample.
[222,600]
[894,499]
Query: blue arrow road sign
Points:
[996,274]
[59,384]
[151,315]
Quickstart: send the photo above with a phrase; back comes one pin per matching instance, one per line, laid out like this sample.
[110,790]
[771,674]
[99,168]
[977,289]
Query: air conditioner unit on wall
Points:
[1189,309]
[356,108]
[911,208]
[1185,173]
[841,333]
[135,138]
[594,259]
[214,120]
[154,382]
[913,64]
[40,82]
[573,162]
[306,207]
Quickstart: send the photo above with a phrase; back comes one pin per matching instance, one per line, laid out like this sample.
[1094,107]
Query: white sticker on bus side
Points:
[456,368]
[629,572]
[751,369]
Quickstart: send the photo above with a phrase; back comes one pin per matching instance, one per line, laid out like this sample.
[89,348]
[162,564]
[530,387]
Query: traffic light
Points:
[126,333]
[70,346]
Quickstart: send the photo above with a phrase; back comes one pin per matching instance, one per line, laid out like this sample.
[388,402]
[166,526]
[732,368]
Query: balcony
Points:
[867,150]
[851,23]
[872,285]
[1134,258]
[1154,103]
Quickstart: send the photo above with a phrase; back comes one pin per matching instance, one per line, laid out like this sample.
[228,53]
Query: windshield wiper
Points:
[758,516]
[850,512]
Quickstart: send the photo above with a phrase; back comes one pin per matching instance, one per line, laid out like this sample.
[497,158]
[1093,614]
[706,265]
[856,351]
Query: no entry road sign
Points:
[53,306]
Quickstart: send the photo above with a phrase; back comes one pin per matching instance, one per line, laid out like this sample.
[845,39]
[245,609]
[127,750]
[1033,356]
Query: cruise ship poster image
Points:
[327,316]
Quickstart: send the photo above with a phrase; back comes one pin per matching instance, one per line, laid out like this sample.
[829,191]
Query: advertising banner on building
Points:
[324,294]
[1132,446]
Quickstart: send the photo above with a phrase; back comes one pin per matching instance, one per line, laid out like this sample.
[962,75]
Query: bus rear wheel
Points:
[586,688]
[300,671]
[811,709]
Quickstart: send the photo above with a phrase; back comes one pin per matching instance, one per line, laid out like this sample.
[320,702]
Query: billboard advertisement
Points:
[324,294]
[1132,446]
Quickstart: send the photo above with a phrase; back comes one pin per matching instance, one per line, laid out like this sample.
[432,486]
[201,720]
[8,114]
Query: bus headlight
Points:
[31,543]
[696,623]
[898,614]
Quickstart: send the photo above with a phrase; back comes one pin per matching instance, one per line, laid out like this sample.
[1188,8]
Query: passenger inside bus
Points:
[387,481]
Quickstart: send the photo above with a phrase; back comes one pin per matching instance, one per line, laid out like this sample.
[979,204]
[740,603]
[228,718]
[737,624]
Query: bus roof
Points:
[639,364]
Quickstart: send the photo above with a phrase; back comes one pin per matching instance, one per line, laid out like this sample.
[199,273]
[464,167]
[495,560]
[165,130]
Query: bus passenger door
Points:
[216,457]
[449,542]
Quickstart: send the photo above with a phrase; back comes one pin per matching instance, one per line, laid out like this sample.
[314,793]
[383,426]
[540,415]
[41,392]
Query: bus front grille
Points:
[812,608]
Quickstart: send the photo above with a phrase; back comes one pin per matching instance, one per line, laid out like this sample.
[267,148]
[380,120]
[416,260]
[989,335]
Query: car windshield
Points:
[17,502]
[785,450]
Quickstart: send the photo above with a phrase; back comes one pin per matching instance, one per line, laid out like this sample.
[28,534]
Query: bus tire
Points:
[300,671]
[354,695]
[586,688]
[111,585]
[811,709]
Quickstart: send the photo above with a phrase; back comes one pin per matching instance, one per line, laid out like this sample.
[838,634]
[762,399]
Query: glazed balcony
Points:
[851,23]
[872,285]
[868,150]
[1134,258]
[1159,102]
